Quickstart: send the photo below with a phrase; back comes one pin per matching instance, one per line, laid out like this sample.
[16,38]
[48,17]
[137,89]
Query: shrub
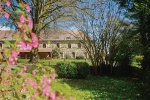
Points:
[66,69]
[79,57]
[83,69]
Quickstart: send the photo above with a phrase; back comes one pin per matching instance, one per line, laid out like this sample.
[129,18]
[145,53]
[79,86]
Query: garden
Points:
[118,50]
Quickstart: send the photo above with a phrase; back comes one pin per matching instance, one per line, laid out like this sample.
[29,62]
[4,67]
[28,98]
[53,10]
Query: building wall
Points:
[73,52]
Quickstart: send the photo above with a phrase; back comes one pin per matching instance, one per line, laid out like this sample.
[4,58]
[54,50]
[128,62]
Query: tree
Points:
[102,26]
[139,12]
[42,13]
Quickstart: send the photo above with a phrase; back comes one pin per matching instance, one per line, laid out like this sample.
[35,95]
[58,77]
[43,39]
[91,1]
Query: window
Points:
[58,45]
[44,45]
[73,54]
[79,45]
[69,45]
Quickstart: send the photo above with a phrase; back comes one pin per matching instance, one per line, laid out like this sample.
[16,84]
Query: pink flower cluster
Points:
[25,45]
[46,85]
[14,57]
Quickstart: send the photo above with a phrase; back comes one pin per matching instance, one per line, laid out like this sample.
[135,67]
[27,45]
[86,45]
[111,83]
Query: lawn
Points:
[102,88]
[54,61]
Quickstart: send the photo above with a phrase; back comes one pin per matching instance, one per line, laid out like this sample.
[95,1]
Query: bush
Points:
[83,69]
[66,70]
[79,57]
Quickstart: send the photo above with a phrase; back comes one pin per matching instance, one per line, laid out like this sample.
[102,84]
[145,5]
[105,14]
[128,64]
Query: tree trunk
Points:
[34,55]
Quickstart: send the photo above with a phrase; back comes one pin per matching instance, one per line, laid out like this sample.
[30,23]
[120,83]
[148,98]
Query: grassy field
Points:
[54,61]
[102,88]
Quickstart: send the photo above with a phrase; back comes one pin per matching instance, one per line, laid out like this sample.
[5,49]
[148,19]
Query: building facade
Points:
[63,42]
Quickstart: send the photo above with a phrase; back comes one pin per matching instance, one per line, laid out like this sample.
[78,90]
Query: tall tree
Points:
[102,27]
[139,12]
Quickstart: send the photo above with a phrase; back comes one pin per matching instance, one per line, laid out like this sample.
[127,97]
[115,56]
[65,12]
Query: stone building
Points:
[65,41]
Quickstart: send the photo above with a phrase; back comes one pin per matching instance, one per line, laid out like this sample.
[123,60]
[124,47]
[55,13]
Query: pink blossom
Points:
[19,25]
[30,23]
[44,69]
[0,7]
[27,8]
[14,53]
[22,46]
[22,19]
[7,3]
[25,68]
[46,85]
[53,76]
[33,72]
[22,73]
[7,15]
[29,46]
[52,95]
[11,59]
[33,83]
[34,40]
[46,91]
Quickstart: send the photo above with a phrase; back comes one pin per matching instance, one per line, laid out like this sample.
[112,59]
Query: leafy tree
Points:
[139,12]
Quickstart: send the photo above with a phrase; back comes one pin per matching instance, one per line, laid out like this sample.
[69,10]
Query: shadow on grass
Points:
[106,88]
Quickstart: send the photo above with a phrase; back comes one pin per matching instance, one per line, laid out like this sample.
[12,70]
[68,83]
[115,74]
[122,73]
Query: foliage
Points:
[83,69]
[139,58]
[56,53]
[20,83]
[79,57]
[66,69]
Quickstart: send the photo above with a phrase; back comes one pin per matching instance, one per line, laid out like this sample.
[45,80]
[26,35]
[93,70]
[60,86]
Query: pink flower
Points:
[22,73]
[29,46]
[19,25]
[25,68]
[7,15]
[33,72]
[44,69]
[11,59]
[0,7]
[14,53]
[46,91]
[30,23]
[27,8]
[53,76]
[46,85]
[7,3]
[33,83]
[22,19]
[34,40]
[52,95]
[22,46]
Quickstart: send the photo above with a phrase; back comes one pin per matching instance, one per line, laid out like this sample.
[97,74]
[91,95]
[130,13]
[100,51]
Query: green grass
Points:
[102,88]
[54,61]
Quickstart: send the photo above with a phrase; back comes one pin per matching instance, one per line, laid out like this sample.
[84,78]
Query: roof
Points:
[46,35]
